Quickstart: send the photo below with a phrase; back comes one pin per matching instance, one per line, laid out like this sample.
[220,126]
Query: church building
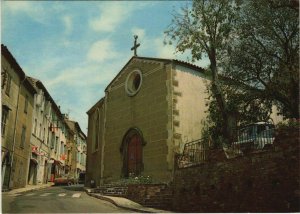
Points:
[150,110]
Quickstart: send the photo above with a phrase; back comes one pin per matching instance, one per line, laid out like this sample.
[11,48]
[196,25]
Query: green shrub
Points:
[291,123]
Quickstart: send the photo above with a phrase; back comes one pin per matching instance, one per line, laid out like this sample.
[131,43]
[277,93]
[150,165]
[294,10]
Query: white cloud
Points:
[34,10]
[68,24]
[139,32]
[17,6]
[169,52]
[102,50]
[163,51]
[112,14]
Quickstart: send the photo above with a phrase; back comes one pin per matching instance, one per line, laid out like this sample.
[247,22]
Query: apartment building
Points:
[16,121]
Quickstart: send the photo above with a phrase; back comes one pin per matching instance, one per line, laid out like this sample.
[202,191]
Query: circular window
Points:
[133,82]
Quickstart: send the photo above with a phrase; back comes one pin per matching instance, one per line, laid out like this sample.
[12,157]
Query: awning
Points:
[5,155]
[34,160]
[6,107]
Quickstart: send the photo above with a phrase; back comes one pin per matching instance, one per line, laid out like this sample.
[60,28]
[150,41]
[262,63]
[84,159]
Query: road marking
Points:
[46,194]
[14,195]
[76,195]
[30,194]
[61,194]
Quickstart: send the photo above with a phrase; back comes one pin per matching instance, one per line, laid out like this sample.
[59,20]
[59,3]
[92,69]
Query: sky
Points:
[77,47]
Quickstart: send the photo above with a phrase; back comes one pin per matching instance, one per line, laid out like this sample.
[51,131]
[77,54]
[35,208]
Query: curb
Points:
[116,204]
[17,191]
[108,199]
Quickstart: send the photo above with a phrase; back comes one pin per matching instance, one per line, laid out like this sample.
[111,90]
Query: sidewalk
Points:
[124,203]
[28,188]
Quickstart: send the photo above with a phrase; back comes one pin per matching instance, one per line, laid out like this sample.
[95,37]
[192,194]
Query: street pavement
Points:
[46,198]
[56,199]
[126,203]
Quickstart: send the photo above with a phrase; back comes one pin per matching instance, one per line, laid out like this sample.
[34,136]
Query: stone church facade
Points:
[150,110]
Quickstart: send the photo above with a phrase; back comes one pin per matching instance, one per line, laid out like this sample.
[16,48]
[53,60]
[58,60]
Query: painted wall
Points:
[21,151]
[39,136]
[190,96]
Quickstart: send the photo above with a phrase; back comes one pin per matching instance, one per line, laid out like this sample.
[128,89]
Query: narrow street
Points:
[57,199]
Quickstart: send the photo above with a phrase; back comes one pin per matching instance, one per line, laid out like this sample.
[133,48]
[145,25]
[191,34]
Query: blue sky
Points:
[77,47]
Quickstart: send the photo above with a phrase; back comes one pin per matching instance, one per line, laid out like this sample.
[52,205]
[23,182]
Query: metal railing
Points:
[253,140]
[194,153]
[250,138]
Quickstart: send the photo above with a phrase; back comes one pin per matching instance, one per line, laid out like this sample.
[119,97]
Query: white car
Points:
[255,136]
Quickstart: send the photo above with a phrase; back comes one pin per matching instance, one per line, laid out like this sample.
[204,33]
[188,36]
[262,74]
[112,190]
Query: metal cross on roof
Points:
[135,46]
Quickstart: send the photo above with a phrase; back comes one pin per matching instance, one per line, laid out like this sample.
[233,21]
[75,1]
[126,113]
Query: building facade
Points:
[48,139]
[16,121]
[150,109]
[37,145]
[77,153]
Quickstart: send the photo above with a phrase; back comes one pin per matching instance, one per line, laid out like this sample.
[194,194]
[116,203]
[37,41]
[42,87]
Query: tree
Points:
[264,58]
[205,29]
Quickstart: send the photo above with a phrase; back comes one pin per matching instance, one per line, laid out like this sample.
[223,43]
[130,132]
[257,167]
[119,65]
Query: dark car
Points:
[81,178]
[65,180]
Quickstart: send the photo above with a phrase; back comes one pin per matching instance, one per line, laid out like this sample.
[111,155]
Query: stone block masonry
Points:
[149,195]
[266,181]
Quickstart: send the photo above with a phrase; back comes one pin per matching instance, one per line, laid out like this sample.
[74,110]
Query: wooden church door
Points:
[134,155]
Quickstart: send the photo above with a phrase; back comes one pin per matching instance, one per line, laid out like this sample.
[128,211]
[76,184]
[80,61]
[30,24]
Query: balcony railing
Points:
[253,137]
[194,153]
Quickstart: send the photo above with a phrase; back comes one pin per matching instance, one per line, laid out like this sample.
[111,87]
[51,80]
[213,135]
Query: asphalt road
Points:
[57,199]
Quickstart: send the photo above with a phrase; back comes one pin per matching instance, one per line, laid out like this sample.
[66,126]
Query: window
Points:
[35,126]
[4,119]
[8,84]
[26,104]
[44,131]
[133,82]
[40,131]
[56,144]
[61,147]
[78,157]
[3,78]
[52,140]
[23,137]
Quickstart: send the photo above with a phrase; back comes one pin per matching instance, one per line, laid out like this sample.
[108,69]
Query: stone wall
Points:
[264,181]
[149,195]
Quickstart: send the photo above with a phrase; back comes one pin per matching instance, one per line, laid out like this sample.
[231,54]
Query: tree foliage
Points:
[253,49]
[205,29]
[264,57]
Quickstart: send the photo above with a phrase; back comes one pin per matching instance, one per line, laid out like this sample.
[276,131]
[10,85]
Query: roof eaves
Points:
[6,53]
[95,105]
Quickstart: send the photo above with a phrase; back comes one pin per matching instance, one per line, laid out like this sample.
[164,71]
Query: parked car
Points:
[65,180]
[81,178]
[255,136]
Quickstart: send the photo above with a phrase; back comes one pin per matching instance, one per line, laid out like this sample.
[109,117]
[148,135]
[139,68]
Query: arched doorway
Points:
[32,173]
[132,150]
[5,169]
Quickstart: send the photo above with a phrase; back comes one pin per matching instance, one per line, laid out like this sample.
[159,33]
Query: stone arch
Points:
[132,152]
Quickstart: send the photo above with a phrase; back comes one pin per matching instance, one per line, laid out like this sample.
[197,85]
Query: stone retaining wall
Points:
[265,181]
[149,195]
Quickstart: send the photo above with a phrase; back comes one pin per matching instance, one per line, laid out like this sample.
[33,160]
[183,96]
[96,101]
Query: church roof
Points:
[163,60]
[100,102]
[166,61]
